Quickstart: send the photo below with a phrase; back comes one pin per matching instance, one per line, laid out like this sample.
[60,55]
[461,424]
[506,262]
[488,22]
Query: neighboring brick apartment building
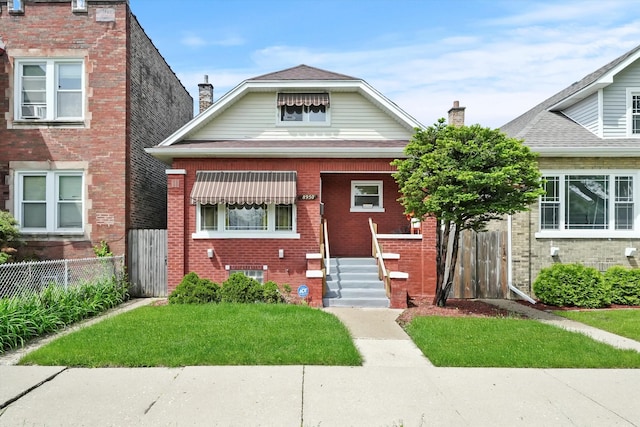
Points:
[254,175]
[83,91]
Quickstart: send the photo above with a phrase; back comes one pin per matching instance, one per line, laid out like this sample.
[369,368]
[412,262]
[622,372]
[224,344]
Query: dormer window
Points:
[303,107]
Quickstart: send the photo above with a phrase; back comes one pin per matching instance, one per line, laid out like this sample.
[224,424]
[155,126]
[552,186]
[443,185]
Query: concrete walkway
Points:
[397,386]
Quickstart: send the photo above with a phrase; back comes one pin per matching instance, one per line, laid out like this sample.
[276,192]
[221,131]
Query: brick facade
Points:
[531,254]
[327,178]
[133,100]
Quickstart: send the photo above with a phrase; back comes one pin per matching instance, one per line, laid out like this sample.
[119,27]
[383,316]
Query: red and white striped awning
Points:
[303,99]
[211,187]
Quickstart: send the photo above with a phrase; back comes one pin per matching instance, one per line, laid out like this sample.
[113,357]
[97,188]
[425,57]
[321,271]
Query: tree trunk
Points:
[443,230]
[442,288]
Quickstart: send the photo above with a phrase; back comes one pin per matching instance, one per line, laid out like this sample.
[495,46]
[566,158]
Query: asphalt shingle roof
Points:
[541,128]
[303,72]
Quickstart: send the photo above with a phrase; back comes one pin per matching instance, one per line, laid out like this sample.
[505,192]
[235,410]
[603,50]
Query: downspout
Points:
[510,265]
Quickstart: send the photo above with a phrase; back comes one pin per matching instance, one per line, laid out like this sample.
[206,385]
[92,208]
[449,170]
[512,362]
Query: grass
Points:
[208,334]
[513,343]
[621,322]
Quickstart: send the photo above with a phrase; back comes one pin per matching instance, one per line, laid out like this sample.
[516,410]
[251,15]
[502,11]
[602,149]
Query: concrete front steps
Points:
[353,282]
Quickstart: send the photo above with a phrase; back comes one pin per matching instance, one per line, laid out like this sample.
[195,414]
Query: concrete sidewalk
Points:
[396,386]
[320,396]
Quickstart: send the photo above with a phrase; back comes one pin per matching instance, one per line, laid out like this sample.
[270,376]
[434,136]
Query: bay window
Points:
[589,204]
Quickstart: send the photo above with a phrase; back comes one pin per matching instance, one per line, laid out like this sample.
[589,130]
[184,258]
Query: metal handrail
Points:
[383,274]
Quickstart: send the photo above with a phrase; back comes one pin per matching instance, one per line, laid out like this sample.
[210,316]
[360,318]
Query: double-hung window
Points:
[589,204]
[50,201]
[49,89]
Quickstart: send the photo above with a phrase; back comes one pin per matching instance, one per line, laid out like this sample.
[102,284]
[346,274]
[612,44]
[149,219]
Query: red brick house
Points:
[83,91]
[279,178]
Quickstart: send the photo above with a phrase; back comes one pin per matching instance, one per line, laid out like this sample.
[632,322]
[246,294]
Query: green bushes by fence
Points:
[33,314]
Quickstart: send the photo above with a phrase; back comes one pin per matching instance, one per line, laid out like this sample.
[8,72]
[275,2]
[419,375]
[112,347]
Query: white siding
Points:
[255,116]
[615,101]
[585,113]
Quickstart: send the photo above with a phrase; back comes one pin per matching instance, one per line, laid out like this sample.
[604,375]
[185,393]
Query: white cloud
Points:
[523,59]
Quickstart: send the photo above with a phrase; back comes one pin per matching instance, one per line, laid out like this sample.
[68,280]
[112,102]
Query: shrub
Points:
[195,290]
[572,285]
[242,289]
[271,293]
[625,285]
[9,236]
[34,314]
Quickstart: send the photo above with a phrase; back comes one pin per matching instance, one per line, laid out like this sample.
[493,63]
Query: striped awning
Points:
[303,99]
[244,187]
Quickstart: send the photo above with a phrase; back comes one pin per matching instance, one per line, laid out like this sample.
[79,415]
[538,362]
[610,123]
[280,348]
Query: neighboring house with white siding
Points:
[281,175]
[588,140]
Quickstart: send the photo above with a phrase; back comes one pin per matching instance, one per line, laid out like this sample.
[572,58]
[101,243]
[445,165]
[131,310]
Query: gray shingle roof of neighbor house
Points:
[550,132]
[303,72]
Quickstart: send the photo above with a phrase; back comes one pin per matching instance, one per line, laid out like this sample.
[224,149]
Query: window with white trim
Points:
[366,196]
[592,203]
[49,89]
[635,113]
[79,5]
[50,201]
[245,218]
[303,108]
[15,6]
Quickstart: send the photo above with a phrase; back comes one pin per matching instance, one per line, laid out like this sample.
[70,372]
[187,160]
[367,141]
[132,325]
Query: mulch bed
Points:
[476,308]
[454,308]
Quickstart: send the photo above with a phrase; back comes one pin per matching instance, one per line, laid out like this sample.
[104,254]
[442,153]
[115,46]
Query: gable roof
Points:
[546,130]
[304,72]
[300,77]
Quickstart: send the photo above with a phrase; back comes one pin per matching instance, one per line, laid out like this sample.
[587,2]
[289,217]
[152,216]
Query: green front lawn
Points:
[512,343]
[208,334]
[624,322]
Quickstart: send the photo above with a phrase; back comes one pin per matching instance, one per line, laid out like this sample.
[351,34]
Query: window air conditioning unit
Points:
[34,112]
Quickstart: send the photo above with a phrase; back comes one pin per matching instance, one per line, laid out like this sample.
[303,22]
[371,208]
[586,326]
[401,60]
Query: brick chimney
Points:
[456,114]
[205,94]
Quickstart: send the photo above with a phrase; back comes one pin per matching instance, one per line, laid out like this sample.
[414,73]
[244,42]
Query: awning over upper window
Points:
[244,187]
[303,99]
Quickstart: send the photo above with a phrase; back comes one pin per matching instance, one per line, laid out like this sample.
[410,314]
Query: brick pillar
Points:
[176,227]
[399,294]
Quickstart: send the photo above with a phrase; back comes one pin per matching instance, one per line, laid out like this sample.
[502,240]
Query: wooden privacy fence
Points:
[147,263]
[481,271]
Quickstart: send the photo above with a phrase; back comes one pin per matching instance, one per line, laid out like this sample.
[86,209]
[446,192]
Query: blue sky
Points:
[498,58]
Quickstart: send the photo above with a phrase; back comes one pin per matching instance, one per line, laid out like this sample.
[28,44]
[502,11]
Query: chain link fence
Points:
[32,277]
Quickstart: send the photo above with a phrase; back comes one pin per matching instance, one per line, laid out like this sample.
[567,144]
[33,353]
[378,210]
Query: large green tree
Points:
[464,177]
